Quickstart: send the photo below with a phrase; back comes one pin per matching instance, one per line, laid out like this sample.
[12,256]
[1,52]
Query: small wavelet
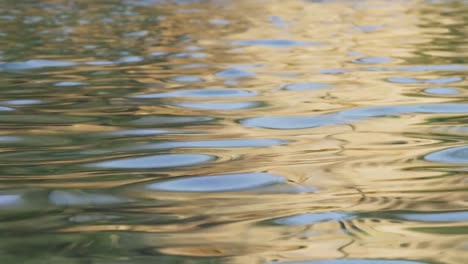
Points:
[278,22]
[196,55]
[372,60]
[100,63]
[35,64]
[312,218]
[70,198]
[461,216]
[198,93]
[6,139]
[137,34]
[441,91]
[193,48]
[4,108]
[219,22]
[130,59]
[42,118]
[450,155]
[349,116]
[194,66]
[334,71]
[218,183]
[220,106]
[291,122]
[87,218]
[369,28]
[154,162]
[460,129]
[229,143]
[69,84]
[275,43]
[305,86]
[24,102]
[354,261]
[144,132]
[187,79]
[169,120]
[423,68]
[158,53]
[234,73]
[407,80]
[10,200]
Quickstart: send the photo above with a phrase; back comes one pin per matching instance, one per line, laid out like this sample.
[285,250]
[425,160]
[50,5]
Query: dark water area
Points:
[247,131]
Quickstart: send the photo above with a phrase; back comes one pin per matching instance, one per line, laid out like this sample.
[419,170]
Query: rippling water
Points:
[247,131]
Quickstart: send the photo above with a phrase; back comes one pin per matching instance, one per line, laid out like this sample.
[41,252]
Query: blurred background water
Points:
[221,131]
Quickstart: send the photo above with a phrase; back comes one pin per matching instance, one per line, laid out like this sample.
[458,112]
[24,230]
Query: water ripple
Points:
[66,198]
[131,131]
[354,261]
[198,93]
[220,106]
[450,155]
[10,200]
[234,73]
[441,91]
[435,217]
[406,80]
[275,43]
[4,108]
[312,218]
[69,84]
[306,86]
[228,143]
[144,132]
[372,60]
[154,162]
[350,116]
[218,183]
[35,64]
[168,120]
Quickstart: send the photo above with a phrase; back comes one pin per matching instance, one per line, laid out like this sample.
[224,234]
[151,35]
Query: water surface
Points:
[222,131]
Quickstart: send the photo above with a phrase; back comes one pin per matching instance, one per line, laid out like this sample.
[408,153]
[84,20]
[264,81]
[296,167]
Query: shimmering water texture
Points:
[234,132]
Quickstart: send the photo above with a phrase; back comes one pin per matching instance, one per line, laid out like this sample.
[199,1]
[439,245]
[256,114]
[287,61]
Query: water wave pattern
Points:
[222,131]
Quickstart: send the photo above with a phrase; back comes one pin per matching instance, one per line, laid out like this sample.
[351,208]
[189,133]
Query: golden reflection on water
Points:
[359,182]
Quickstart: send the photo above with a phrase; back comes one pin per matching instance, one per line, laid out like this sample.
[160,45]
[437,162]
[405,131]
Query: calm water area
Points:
[233,132]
